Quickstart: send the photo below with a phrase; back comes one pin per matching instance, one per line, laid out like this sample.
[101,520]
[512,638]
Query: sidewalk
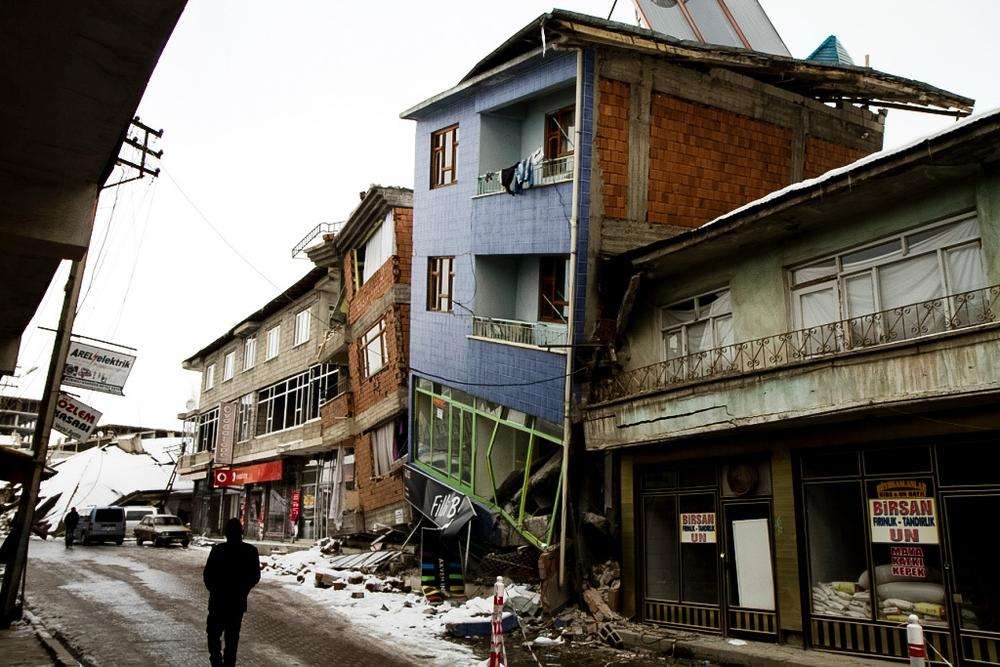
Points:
[20,645]
[264,547]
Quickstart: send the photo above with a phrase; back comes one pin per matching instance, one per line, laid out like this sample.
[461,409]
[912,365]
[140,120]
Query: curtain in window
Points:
[382,448]
[910,281]
[379,248]
[336,510]
[819,307]
[965,268]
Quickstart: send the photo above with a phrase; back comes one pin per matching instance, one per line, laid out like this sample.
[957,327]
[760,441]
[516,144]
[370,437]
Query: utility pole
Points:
[24,519]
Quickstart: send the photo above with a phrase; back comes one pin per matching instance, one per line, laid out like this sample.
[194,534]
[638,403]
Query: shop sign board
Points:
[903,521]
[74,418]
[907,562]
[227,434]
[698,527]
[450,510]
[258,472]
[97,368]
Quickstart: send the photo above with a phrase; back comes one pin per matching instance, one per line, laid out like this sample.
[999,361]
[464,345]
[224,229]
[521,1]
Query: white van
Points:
[134,514]
[101,524]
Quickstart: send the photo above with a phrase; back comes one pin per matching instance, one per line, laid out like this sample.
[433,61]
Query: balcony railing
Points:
[945,314]
[538,334]
[543,173]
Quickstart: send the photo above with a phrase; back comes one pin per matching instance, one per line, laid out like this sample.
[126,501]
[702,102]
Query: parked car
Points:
[161,530]
[134,514]
[101,524]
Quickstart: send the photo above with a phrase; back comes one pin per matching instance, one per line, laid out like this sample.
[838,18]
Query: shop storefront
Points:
[704,536]
[894,531]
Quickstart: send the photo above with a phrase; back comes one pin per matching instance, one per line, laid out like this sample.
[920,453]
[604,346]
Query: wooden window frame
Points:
[365,341]
[439,173]
[553,121]
[544,309]
[435,282]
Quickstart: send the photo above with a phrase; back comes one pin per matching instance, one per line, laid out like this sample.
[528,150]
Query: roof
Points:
[16,465]
[819,80]
[976,138]
[299,288]
[733,23]
[375,204]
[832,51]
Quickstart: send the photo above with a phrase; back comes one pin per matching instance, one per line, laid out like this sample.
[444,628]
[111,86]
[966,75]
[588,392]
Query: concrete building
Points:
[609,137]
[17,420]
[364,424]
[264,374]
[804,409]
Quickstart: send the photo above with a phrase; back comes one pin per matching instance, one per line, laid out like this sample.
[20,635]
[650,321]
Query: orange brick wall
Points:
[823,155]
[393,376]
[704,161]
[611,143]
[374,493]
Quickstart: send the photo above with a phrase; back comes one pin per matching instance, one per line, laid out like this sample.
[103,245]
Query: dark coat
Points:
[71,521]
[232,570]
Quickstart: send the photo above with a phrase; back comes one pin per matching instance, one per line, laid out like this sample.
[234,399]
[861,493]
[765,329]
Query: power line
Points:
[218,233]
[135,263]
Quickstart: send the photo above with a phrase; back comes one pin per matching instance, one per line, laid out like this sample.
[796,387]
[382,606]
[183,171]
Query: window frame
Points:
[208,428]
[683,327]
[437,170]
[276,330]
[275,413]
[546,304]
[229,366]
[435,282]
[306,316]
[210,377]
[559,132]
[249,345]
[245,417]
[366,340]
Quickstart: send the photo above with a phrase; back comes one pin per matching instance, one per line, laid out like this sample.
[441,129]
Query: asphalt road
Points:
[132,605]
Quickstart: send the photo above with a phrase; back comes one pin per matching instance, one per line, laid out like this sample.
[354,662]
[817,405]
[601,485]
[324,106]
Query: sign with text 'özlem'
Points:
[903,521]
[74,418]
[97,368]
[698,528]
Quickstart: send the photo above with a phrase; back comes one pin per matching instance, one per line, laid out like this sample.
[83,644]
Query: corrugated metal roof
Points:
[366,561]
[831,51]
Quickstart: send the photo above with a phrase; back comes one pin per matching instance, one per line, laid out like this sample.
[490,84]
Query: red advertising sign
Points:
[259,472]
[907,562]
[295,507]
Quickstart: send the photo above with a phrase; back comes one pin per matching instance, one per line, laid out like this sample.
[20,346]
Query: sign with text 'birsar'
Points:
[903,521]
[96,368]
[74,418]
[698,527]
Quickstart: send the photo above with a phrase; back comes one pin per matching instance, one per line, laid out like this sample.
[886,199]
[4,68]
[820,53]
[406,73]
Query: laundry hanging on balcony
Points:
[521,175]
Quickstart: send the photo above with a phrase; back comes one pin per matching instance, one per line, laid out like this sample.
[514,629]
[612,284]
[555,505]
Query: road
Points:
[133,605]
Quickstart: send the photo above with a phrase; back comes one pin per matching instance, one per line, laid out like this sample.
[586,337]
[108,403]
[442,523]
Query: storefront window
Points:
[699,558]
[660,524]
[977,578]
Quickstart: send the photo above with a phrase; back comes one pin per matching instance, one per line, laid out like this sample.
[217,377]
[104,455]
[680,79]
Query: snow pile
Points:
[102,475]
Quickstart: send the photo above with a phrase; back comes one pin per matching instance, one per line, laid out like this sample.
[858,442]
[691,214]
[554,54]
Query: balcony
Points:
[954,313]
[546,172]
[188,462]
[517,332]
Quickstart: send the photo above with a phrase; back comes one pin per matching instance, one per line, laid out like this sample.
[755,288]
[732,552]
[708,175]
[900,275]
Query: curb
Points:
[56,647]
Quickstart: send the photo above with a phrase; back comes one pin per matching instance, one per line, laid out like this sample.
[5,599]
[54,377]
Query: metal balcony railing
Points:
[543,173]
[945,314]
[538,334]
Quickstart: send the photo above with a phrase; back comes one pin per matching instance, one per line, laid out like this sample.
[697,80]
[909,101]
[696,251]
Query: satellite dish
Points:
[190,404]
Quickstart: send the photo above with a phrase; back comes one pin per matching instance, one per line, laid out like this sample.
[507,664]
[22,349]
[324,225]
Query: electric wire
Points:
[135,263]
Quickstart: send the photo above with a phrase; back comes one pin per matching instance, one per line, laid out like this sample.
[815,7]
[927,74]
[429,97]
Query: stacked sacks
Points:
[841,598]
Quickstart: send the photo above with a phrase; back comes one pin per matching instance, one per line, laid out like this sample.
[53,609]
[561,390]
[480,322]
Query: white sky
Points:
[278,114]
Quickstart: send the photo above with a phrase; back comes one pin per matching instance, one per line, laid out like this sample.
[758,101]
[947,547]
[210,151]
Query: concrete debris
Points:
[598,606]
[357,594]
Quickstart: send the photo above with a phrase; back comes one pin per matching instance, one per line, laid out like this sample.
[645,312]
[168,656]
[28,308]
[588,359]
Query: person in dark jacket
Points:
[232,570]
[70,523]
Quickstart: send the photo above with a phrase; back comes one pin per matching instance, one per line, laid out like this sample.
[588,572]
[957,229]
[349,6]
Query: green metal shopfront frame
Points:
[466,480]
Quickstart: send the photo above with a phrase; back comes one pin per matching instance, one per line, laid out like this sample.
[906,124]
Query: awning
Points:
[449,510]
[16,466]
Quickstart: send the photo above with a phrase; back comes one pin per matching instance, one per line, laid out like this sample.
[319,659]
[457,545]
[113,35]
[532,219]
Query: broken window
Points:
[208,426]
[444,155]
[440,280]
[696,325]
[559,132]
[373,349]
[552,302]
[384,450]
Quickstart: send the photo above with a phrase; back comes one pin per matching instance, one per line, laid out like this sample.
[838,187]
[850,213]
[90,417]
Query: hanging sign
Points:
[698,528]
[450,510]
[258,472]
[227,434]
[903,521]
[96,368]
[295,507]
[907,562]
[74,418]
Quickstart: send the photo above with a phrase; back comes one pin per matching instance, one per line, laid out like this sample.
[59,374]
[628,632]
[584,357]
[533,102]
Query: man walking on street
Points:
[232,570]
[69,523]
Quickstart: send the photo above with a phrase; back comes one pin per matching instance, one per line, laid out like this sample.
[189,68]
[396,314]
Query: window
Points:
[559,133]
[210,377]
[696,325]
[373,350]
[384,450]
[244,418]
[229,366]
[552,303]
[444,155]
[440,280]
[249,353]
[273,342]
[918,267]
[208,427]
[295,400]
[379,247]
[301,327]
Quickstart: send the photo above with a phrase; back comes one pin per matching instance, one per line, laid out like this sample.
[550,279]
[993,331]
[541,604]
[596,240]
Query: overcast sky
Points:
[277,115]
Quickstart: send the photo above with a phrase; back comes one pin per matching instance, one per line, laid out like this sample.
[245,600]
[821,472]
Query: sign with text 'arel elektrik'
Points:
[96,368]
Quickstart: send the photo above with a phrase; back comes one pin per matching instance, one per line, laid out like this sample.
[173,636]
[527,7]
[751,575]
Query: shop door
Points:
[749,569]
[974,574]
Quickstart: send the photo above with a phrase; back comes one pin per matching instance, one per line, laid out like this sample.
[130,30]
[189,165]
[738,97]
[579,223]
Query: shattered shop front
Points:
[891,531]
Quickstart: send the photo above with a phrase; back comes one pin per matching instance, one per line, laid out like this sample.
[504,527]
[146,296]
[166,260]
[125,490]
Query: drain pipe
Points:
[571,317]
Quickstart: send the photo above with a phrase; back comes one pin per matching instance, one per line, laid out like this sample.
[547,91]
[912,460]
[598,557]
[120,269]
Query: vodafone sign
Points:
[259,472]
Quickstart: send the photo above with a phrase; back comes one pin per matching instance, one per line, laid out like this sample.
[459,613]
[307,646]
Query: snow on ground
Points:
[401,618]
